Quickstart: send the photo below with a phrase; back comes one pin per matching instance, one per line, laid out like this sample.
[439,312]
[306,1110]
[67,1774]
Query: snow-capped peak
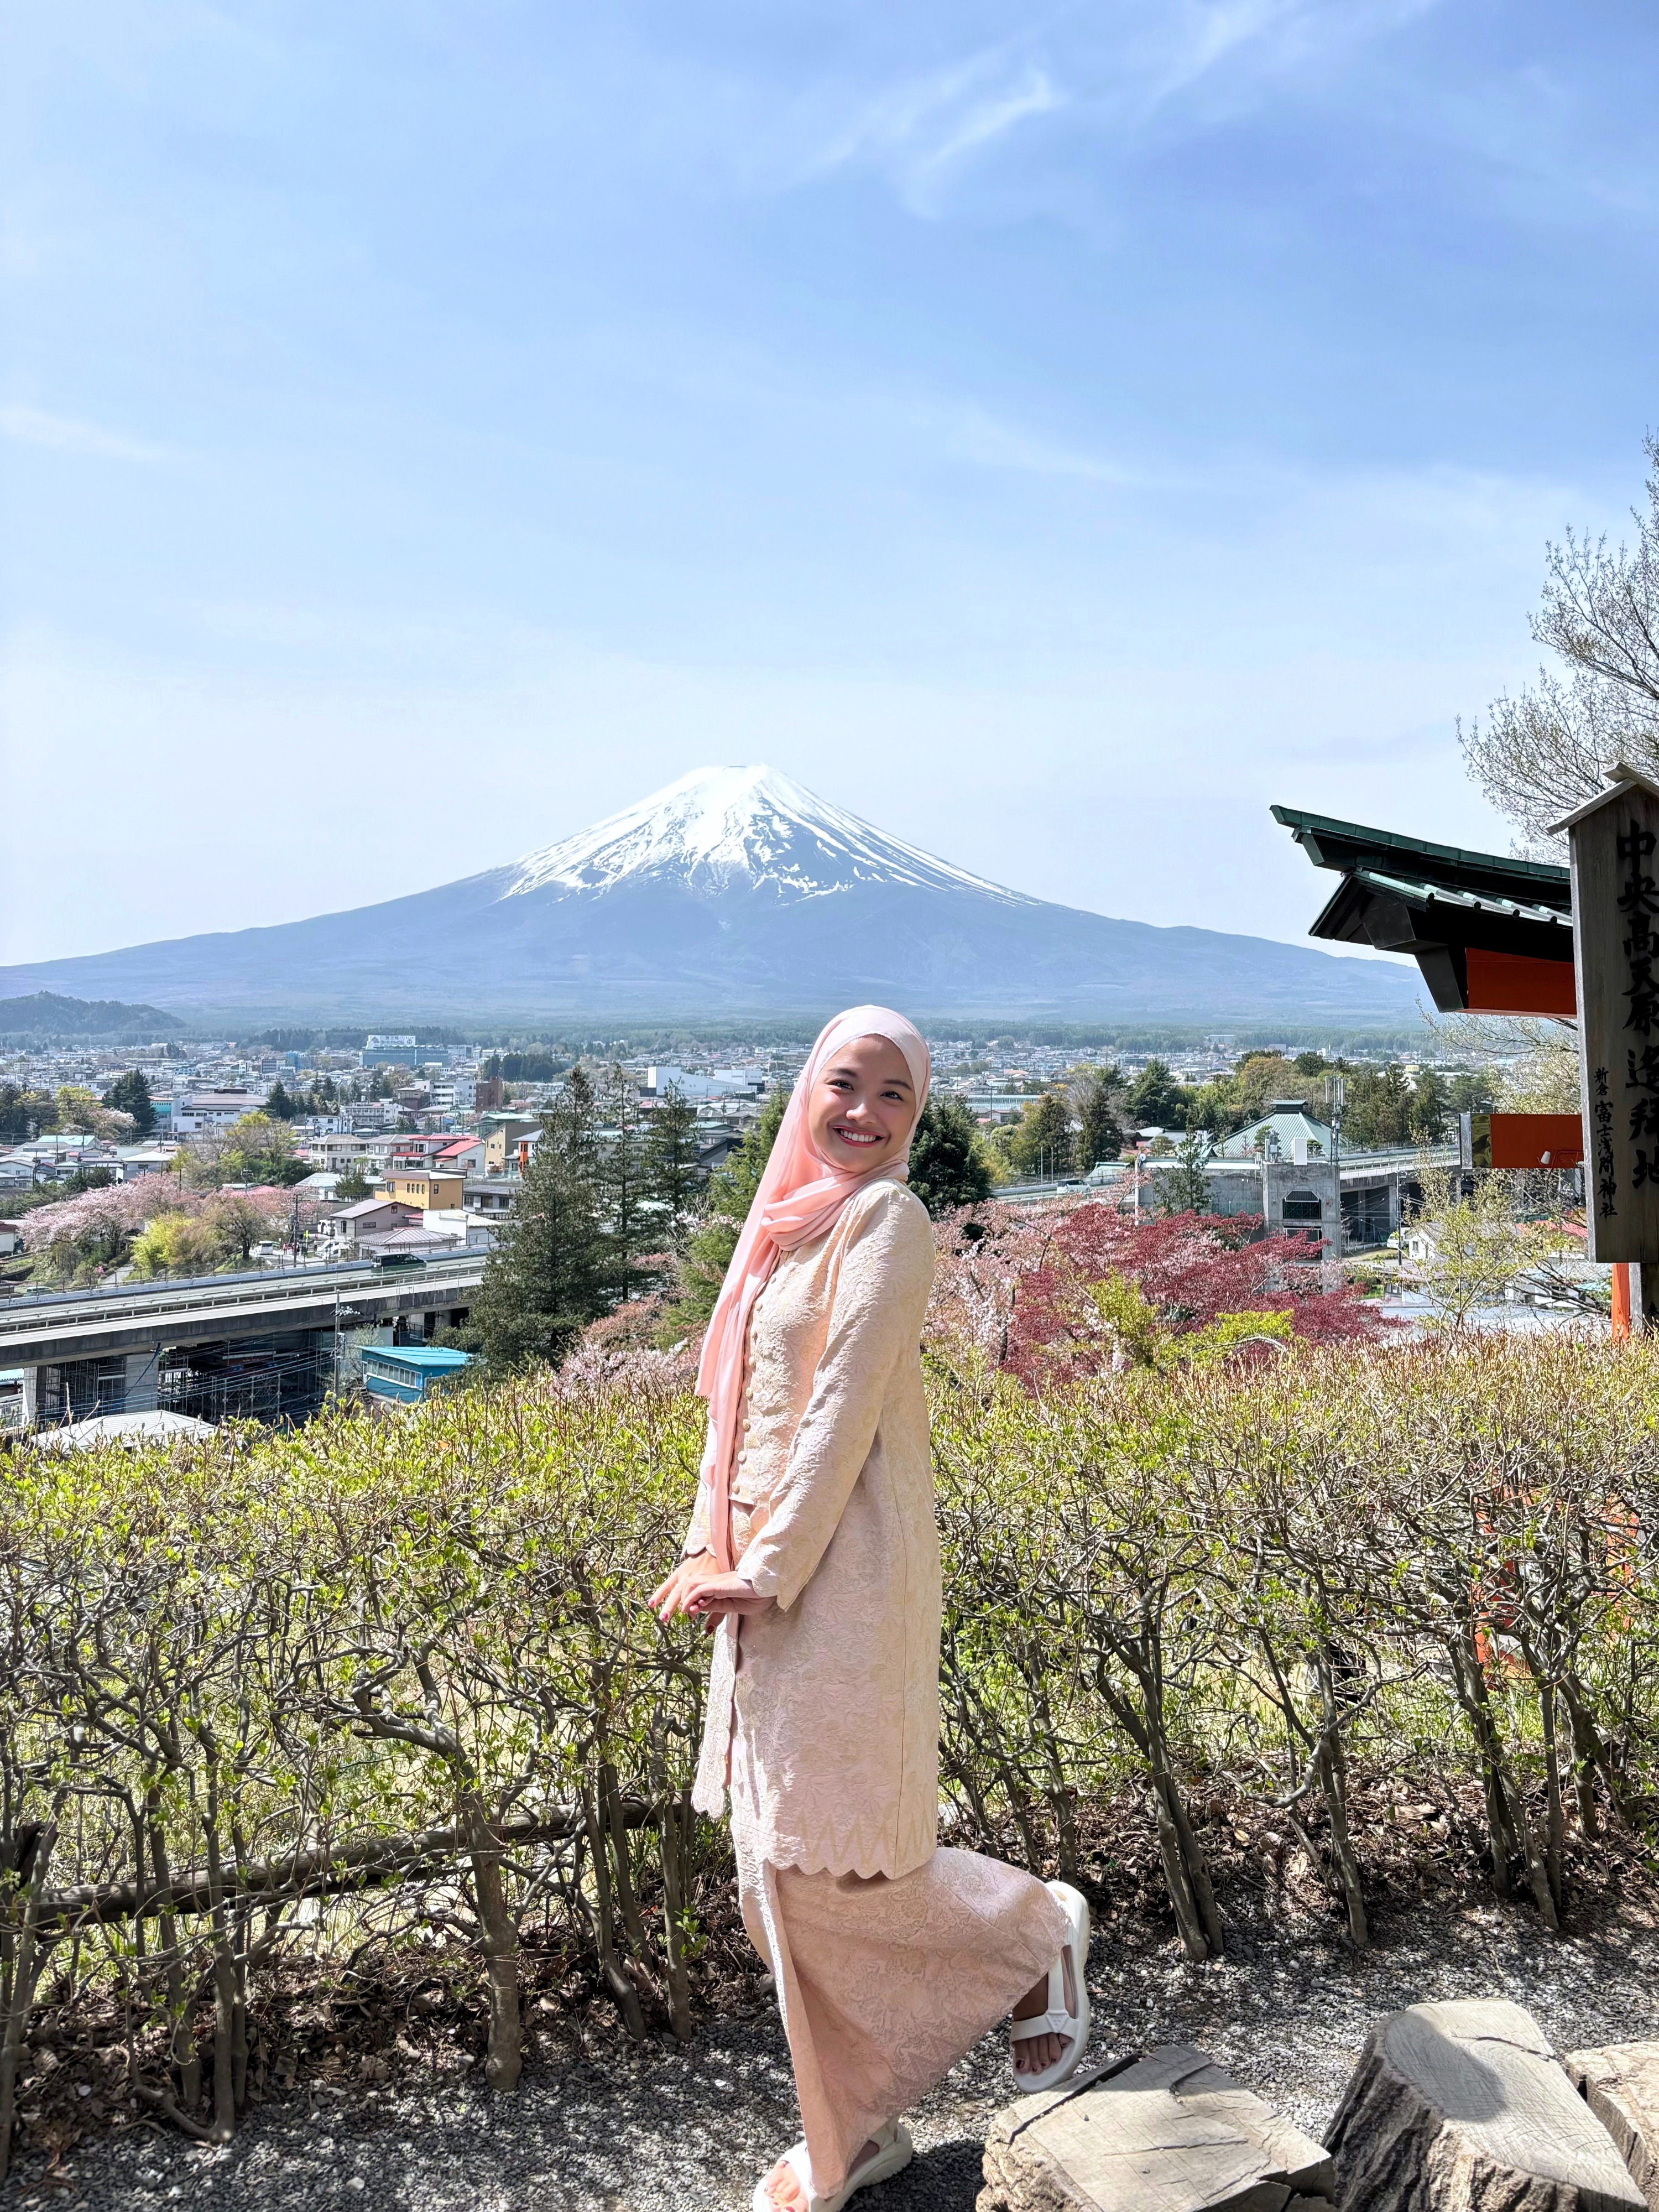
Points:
[720,827]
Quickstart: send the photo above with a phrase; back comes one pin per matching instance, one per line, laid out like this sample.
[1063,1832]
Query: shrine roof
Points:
[1496,882]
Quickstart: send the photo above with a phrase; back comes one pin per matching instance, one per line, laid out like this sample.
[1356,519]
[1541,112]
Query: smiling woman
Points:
[864,1106]
[813,1551]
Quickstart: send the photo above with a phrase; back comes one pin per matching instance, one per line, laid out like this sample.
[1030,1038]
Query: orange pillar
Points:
[1620,1301]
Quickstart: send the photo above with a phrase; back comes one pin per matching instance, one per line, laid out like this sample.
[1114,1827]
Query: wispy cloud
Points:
[917,129]
[32,426]
[1115,67]
[972,434]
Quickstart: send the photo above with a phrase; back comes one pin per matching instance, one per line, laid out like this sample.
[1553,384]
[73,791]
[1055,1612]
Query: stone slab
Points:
[1169,2132]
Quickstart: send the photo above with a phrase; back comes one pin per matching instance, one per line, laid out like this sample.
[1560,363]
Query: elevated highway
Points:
[206,1343]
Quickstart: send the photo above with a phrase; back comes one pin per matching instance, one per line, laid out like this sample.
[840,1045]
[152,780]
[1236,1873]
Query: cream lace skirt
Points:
[884,1984]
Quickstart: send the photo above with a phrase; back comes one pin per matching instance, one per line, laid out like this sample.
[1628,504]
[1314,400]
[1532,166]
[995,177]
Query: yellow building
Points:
[420,1186]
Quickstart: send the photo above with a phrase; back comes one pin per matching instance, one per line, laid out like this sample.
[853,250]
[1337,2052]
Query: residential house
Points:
[419,1149]
[461,1156]
[423,1188]
[132,1161]
[371,1220]
[500,1134]
[410,1243]
[490,1198]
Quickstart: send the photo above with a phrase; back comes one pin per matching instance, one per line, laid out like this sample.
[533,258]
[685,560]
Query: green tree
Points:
[79,1108]
[280,1105]
[175,1244]
[619,1171]
[235,1225]
[25,1114]
[553,1269]
[1378,1107]
[1156,1099]
[353,1184]
[1261,1077]
[1431,1107]
[1040,1143]
[710,1248]
[130,1094]
[1183,1187]
[1100,1135]
[948,1164]
[1476,1092]
[673,1180]
[254,1149]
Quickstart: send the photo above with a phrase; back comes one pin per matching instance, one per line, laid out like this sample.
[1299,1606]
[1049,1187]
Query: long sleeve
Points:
[698,1538]
[880,1300]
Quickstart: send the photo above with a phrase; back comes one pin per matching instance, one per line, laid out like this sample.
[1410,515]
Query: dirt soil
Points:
[387,2106]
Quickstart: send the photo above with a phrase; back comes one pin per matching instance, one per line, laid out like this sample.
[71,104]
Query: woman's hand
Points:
[698,1585]
[675,1595]
[720,1595]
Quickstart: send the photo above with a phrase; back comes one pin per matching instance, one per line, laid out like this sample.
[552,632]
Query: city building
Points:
[197,1111]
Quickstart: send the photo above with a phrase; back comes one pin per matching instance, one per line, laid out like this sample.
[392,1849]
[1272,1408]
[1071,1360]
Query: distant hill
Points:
[44,1014]
[735,893]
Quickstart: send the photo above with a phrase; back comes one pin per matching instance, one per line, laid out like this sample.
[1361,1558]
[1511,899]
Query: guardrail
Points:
[59,1309]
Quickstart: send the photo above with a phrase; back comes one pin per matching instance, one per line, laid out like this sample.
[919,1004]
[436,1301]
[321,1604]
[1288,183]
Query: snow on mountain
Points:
[718,828]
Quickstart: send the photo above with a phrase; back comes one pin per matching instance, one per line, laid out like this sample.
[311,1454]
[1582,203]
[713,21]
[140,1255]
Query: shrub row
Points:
[333,1688]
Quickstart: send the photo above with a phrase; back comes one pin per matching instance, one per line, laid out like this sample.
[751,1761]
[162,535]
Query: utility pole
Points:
[1336,1091]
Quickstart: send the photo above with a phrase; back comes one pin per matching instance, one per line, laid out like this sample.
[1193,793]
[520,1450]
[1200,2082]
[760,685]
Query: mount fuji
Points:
[734,891]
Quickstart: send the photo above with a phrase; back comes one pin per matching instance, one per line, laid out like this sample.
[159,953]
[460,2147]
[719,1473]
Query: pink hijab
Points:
[800,1196]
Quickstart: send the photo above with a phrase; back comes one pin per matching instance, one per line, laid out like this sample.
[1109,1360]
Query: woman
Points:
[812,1554]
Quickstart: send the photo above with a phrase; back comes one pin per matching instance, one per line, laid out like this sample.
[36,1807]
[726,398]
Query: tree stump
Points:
[1620,2085]
[1170,2132]
[1463,2107]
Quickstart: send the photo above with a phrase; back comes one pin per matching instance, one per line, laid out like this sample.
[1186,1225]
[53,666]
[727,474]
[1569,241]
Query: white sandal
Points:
[1058,2020]
[892,2152]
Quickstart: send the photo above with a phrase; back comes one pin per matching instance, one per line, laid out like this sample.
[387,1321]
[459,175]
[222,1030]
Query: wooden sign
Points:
[1615,910]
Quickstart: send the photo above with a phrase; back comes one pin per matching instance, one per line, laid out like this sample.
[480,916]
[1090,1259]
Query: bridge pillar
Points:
[139,1391]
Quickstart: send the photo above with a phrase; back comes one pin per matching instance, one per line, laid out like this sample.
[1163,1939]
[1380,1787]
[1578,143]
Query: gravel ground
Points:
[671,2129]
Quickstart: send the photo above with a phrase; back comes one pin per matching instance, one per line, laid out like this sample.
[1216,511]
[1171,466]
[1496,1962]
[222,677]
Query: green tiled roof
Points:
[1352,848]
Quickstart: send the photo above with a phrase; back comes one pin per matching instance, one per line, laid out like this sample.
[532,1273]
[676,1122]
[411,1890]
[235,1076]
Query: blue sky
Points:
[1055,434]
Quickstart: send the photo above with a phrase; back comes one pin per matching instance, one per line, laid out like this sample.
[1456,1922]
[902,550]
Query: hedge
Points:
[325,1690]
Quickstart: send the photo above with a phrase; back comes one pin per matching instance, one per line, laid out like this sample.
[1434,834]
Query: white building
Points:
[194,1111]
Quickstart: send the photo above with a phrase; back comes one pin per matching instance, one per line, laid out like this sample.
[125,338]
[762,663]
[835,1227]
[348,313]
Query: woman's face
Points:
[863,1105]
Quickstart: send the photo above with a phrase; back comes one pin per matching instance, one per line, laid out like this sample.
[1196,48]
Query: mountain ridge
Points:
[732,890]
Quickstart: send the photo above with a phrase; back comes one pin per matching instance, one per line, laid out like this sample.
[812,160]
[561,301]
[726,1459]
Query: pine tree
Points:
[1156,1099]
[1041,1143]
[554,1269]
[620,1177]
[673,1180]
[948,1166]
[278,1105]
[1100,1137]
[709,1252]
[130,1094]
[1183,1186]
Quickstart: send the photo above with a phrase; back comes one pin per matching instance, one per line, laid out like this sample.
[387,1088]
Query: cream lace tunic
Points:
[836,1688]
